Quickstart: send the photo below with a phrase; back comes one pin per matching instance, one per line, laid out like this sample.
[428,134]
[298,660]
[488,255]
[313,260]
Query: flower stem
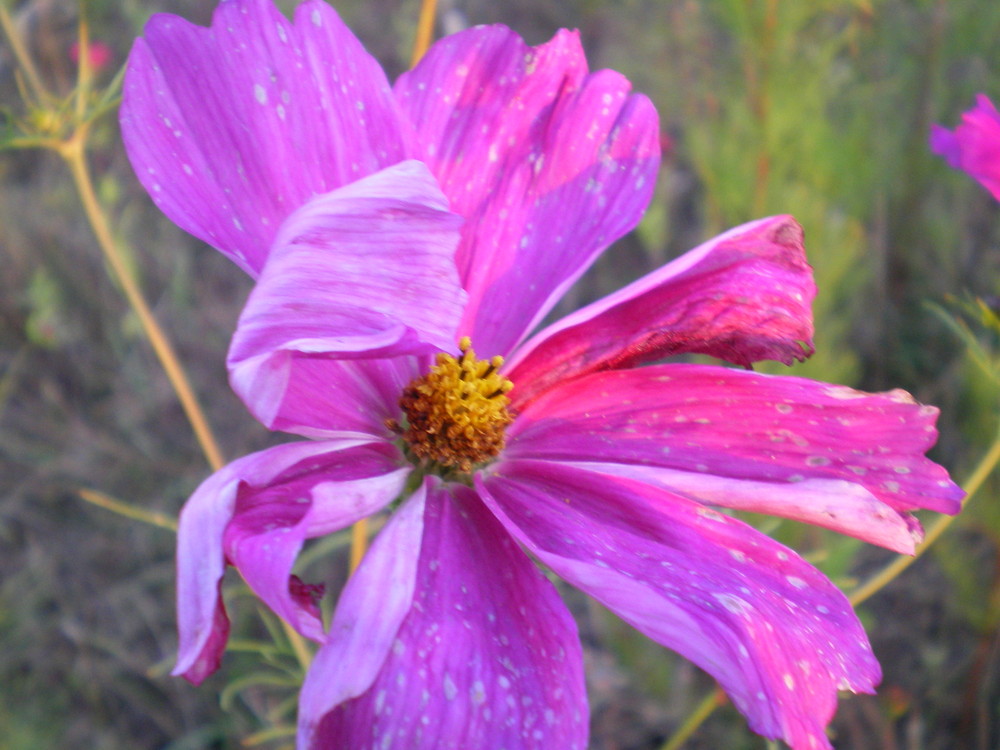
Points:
[703,710]
[425,29]
[129,511]
[72,151]
[881,579]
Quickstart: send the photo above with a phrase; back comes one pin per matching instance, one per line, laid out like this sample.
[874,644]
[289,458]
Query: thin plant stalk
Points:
[702,711]
[73,152]
[24,61]
[425,30]
[100,499]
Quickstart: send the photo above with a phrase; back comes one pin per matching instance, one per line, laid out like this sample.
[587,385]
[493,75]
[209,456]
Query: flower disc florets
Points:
[457,413]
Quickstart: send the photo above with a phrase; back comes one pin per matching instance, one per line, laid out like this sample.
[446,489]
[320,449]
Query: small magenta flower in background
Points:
[406,241]
[974,146]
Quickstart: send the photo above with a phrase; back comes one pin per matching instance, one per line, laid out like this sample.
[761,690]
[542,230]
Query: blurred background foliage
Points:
[818,109]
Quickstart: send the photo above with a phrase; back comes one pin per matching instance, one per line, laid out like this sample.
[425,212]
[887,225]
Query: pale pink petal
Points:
[743,296]
[327,398]
[232,128]
[974,146]
[366,271]
[487,656]
[717,422]
[777,635]
[549,165]
[835,504]
[256,512]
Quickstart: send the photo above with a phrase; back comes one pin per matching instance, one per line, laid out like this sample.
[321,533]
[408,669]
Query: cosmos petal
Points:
[777,635]
[366,271]
[549,165]
[743,296]
[326,398]
[256,512]
[974,146]
[727,424]
[370,611]
[487,656]
[231,128]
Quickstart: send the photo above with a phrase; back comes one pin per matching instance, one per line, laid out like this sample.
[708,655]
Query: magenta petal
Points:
[366,271]
[731,424]
[974,146]
[487,656]
[549,165]
[777,635]
[232,128]
[371,609]
[256,512]
[743,296]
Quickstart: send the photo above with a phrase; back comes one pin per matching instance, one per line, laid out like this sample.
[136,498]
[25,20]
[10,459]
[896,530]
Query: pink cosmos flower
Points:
[974,146]
[406,241]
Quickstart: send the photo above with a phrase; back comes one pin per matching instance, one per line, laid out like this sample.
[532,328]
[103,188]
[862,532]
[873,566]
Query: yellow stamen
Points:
[457,413]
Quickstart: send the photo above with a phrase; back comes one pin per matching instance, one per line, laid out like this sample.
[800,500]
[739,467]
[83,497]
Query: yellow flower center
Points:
[457,413]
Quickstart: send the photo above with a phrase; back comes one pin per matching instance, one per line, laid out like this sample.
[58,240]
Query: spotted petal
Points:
[777,635]
[743,296]
[726,435]
[364,272]
[231,128]
[256,513]
[549,165]
[974,146]
[485,656]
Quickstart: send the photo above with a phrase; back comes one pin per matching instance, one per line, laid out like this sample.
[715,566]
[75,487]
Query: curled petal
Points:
[713,424]
[974,146]
[233,127]
[366,271]
[777,635]
[487,656]
[256,512]
[549,165]
[744,296]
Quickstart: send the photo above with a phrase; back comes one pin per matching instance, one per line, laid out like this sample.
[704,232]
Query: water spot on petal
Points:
[450,689]
[477,692]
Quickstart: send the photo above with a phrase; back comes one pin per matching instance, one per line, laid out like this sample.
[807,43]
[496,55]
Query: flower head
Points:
[406,241]
[974,146]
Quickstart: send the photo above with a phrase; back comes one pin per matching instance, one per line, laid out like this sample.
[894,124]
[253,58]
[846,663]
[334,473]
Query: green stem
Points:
[129,511]
[701,712]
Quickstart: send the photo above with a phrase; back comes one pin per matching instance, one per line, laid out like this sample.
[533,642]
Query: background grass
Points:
[818,109]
